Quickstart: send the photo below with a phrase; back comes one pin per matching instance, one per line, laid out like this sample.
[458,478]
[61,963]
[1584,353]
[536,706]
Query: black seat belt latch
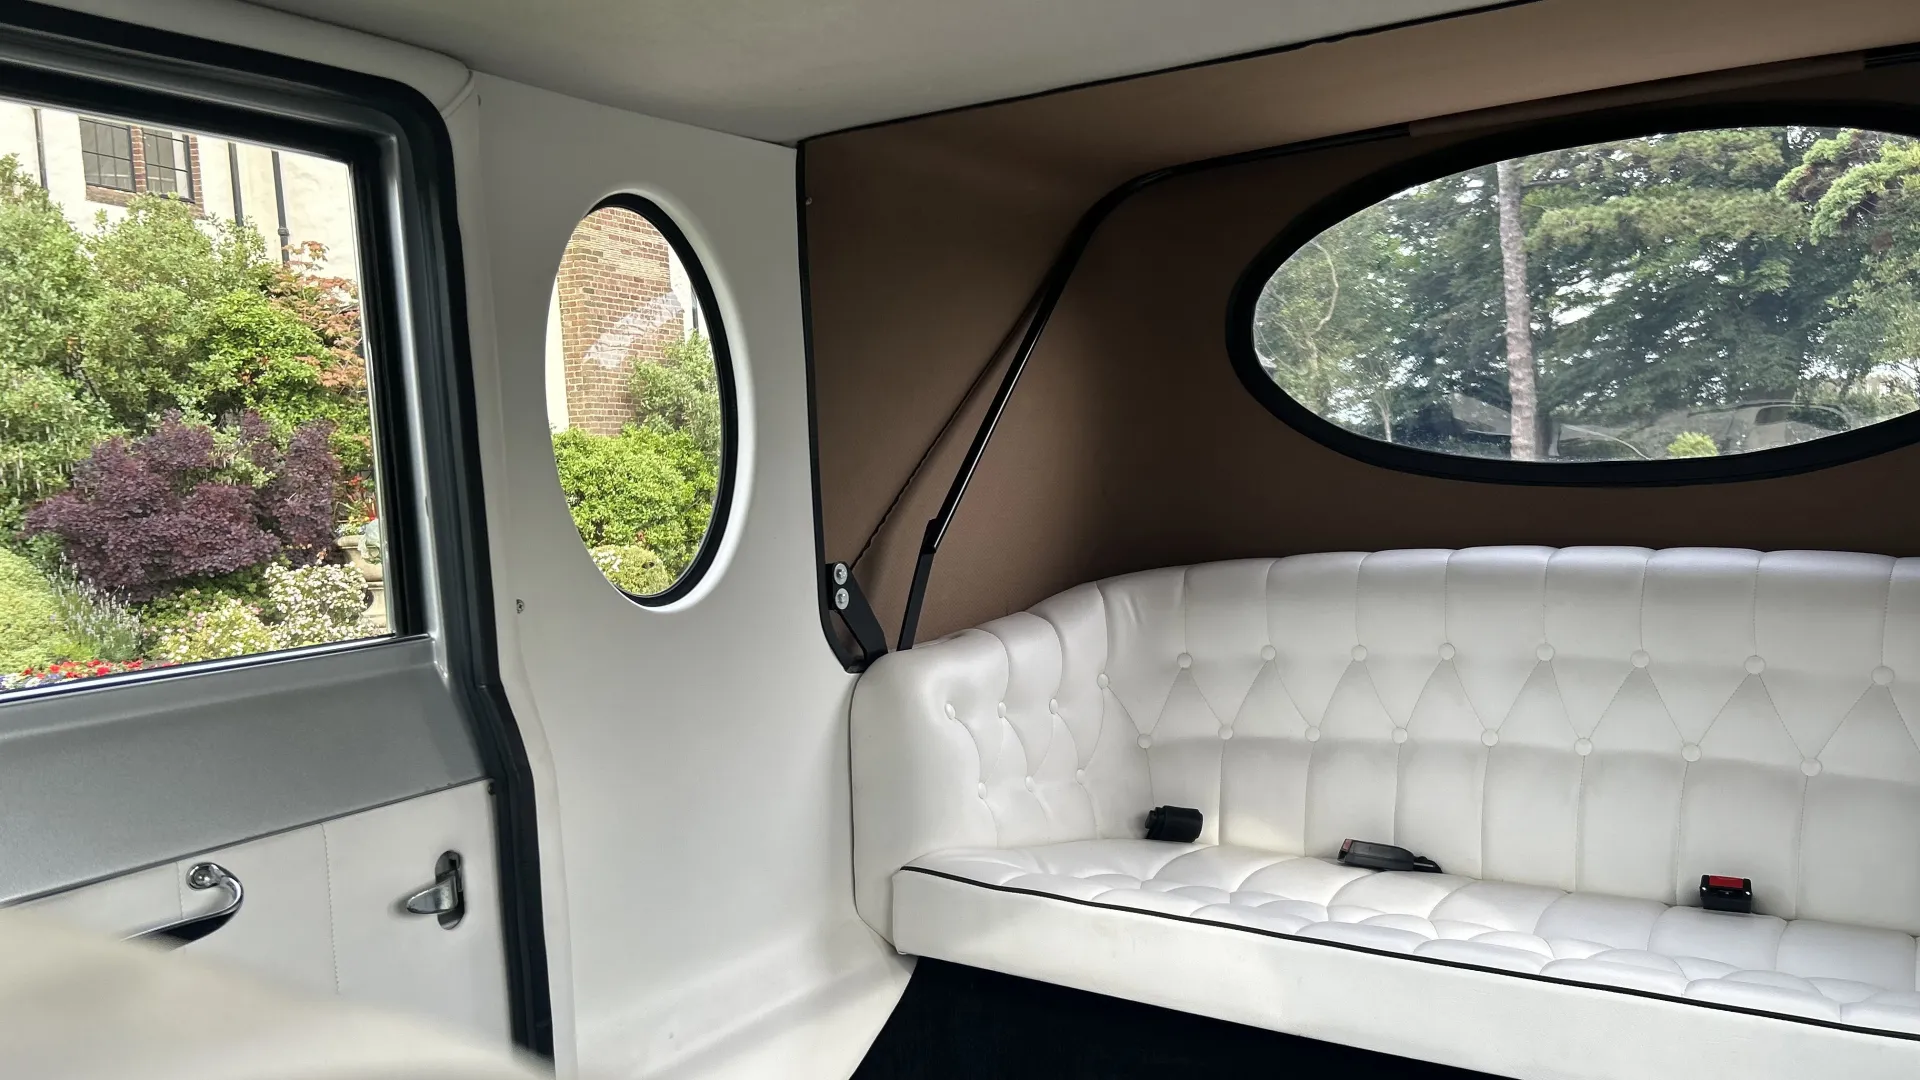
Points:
[1721,893]
[1371,856]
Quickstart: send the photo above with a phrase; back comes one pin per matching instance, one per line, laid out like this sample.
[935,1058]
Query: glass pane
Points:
[106,152]
[167,165]
[1688,294]
[633,399]
[186,451]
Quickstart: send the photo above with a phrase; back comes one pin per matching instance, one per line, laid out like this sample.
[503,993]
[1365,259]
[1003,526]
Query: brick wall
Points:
[616,307]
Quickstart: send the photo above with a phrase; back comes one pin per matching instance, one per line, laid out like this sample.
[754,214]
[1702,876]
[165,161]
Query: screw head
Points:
[841,599]
[839,573]
[519,606]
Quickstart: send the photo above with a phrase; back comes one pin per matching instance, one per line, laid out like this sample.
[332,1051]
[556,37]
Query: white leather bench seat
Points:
[1577,735]
[1841,974]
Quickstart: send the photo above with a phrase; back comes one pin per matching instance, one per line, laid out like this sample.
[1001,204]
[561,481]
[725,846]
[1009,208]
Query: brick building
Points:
[620,298]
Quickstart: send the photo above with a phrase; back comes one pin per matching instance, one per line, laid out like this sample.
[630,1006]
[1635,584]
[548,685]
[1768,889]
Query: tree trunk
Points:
[1524,410]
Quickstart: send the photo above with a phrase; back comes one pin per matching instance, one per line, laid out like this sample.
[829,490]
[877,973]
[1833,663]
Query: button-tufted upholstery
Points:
[1580,732]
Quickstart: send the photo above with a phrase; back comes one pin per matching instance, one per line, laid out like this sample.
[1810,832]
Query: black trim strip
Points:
[1435,961]
[389,132]
[723,367]
[1623,122]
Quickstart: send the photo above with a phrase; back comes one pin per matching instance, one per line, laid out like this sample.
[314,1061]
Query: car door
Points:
[248,709]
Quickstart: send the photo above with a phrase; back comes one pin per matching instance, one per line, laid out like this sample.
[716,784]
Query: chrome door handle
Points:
[200,876]
[446,897]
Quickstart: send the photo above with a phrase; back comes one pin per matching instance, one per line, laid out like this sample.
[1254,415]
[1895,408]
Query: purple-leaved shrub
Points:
[190,501]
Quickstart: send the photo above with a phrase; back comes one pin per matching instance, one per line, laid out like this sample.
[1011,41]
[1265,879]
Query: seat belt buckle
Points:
[1371,856]
[1721,893]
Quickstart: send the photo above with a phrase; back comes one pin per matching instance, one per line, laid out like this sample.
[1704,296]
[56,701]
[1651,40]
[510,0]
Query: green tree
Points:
[144,332]
[1322,327]
[1669,281]
[46,280]
[1864,192]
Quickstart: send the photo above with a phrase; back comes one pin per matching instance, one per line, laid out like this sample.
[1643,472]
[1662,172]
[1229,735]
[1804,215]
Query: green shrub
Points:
[1692,444]
[680,392]
[284,609]
[637,487]
[178,607]
[634,569]
[30,632]
[45,428]
[45,278]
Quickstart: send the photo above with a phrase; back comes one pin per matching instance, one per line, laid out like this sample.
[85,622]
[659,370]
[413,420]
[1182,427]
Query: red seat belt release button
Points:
[1722,893]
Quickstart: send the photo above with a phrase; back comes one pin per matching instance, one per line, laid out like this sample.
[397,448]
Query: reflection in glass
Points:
[1680,295]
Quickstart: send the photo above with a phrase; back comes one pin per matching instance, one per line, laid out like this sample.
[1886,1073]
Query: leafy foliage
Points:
[634,569]
[312,605]
[45,427]
[193,501]
[29,618]
[680,392]
[1692,444]
[639,487]
[1674,280]
[230,628]
[45,278]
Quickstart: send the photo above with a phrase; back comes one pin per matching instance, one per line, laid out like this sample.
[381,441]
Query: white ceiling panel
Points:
[786,69]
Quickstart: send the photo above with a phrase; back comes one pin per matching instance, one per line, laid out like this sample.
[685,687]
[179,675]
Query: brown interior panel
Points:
[1130,442]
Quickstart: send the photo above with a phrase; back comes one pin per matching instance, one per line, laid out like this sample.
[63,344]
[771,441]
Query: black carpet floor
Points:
[957,1022]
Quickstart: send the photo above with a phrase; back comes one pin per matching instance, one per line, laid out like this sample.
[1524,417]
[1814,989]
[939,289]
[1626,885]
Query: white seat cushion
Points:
[1846,975]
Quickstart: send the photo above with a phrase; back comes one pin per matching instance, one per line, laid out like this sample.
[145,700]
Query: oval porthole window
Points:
[639,400]
[1693,294]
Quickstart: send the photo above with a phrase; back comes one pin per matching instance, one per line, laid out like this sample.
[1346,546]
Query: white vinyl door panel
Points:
[323,910]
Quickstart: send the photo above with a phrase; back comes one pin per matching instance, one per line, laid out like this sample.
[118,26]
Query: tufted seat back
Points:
[1600,720]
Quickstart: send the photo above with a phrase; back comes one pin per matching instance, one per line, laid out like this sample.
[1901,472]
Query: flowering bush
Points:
[311,605]
[191,501]
[69,671]
[314,605]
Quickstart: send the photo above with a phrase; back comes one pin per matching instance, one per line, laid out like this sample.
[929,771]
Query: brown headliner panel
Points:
[1130,442]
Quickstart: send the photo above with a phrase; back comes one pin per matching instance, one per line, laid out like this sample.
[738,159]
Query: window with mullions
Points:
[1680,295]
[128,158]
[187,457]
[106,154]
[168,164]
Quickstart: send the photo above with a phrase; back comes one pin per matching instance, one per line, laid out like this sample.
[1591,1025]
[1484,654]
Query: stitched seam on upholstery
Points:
[1413,958]
[333,916]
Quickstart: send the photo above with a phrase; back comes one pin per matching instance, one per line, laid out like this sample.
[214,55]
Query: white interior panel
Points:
[695,826]
[323,910]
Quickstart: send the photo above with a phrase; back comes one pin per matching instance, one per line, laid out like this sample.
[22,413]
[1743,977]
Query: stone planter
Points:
[376,575]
